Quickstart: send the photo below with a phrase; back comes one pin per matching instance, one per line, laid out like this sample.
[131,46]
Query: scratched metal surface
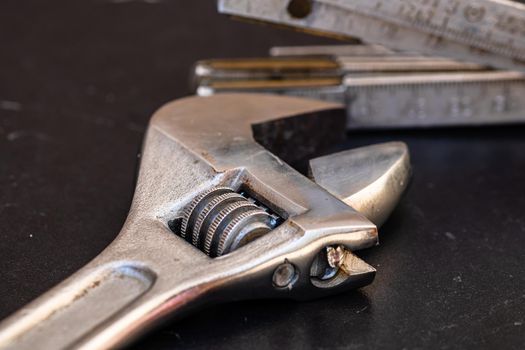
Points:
[78,83]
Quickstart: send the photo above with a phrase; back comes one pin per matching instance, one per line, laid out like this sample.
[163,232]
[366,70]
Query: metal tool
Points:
[218,216]
[487,32]
[308,62]
[380,89]
[304,67]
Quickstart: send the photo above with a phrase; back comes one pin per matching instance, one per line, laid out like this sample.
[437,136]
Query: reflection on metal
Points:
[369,179]
[194,147]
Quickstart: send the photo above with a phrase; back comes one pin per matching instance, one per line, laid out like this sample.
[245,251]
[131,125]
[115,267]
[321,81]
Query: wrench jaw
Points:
[216,133]
[370,179]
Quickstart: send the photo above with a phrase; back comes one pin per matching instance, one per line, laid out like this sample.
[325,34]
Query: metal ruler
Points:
[488,32]
[435,100]
[380,88]
[419,100]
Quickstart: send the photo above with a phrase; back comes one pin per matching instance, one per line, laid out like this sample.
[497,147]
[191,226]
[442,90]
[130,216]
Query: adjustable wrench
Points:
[216,216]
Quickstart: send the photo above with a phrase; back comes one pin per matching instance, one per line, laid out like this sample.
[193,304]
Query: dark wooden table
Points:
[78,83]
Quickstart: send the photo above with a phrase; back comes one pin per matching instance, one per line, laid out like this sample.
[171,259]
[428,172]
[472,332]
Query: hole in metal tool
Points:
[325,271]
[299,8]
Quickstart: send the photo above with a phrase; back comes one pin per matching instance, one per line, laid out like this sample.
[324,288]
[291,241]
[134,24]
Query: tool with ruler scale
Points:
[488,32]
[380,89]
[382,86]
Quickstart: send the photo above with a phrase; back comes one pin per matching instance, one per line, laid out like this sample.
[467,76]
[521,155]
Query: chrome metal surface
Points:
[376,98]
[370,179]
[332,50]
[487,32]
[400,63]
[306,67]
[444,99]
[149,273]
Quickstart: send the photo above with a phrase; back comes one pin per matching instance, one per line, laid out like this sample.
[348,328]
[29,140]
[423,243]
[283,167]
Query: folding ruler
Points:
[385,88]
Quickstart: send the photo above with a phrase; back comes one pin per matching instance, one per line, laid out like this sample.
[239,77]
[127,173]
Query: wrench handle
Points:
[105,305]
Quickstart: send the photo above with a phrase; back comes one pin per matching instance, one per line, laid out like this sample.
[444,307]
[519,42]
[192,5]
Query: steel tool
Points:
[219,215]
[390,86]
[380,88]
[487,32]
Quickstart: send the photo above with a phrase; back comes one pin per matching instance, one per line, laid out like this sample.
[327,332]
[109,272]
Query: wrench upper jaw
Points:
[370,179]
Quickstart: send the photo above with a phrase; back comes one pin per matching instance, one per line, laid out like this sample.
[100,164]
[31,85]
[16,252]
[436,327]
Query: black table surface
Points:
[78,83]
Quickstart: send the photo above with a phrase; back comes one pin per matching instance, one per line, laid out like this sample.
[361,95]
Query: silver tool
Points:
[334,50]
[309,66]
[360,58]
[487,32]
[217,216]
[380,89]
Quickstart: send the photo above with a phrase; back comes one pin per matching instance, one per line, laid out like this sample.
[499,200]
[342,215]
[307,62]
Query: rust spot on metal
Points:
[208,157]
[84,292]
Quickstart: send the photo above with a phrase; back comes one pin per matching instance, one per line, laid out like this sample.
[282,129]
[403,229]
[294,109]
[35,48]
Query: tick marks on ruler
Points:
[474,14]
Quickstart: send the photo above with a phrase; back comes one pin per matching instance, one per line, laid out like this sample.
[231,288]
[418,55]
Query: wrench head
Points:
[208,171]
[200,143]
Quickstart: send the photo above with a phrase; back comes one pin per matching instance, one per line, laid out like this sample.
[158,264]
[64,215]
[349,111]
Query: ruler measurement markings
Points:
[467,23]
[460,102]
[369,28]
[483,31]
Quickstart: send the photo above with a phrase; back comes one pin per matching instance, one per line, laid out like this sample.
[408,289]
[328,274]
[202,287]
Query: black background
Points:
[78,83]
